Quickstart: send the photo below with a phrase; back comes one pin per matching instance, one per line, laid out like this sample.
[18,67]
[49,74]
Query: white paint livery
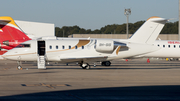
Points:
[85,51]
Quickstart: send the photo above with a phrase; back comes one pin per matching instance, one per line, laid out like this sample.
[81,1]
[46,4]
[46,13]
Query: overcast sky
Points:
[88,14]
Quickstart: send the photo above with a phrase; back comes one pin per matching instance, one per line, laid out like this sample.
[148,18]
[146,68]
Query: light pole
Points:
[127,12]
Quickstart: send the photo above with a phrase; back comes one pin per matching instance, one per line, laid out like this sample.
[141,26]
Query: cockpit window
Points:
[23,46]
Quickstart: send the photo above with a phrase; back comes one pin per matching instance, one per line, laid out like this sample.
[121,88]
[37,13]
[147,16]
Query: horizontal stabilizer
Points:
[4,20]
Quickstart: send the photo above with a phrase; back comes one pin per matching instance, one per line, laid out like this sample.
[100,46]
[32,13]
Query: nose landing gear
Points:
[19,67]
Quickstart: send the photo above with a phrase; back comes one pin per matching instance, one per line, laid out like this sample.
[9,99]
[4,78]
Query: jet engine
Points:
[107,46]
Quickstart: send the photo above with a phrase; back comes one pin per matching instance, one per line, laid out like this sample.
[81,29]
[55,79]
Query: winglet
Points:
[7,19]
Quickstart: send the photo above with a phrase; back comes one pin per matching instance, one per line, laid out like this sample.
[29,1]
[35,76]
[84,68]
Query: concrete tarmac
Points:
[133,80]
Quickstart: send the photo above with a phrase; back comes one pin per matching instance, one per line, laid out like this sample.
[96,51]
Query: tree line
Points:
[169,28]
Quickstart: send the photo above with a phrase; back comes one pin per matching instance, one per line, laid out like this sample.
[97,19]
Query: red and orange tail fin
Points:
[10,32]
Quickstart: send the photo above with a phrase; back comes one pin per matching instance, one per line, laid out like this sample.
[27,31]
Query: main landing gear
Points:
[106,63]
[85,66]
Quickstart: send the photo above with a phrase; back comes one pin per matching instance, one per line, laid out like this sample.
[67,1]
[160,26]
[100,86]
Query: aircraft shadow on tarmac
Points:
[116,65]
[106,68]
[138,93]
[120,66]
[27,73]
[111,67]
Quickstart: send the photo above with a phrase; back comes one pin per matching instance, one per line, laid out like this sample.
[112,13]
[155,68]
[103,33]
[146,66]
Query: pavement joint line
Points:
[52,86]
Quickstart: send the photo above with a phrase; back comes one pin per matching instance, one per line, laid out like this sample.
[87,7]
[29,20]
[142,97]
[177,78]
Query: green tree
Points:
[169,28]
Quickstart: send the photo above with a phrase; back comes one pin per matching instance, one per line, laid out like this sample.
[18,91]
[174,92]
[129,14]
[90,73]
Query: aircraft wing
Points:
[85,59]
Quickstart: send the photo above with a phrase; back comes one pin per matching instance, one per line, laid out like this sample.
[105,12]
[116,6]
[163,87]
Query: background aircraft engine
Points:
[104,46]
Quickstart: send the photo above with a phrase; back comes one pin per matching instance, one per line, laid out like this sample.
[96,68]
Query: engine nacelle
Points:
[105,46]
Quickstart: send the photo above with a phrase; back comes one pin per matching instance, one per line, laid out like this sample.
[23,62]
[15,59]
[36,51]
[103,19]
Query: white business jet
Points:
[84,51]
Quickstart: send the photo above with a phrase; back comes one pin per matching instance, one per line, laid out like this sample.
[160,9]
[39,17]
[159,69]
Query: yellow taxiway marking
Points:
[6,68]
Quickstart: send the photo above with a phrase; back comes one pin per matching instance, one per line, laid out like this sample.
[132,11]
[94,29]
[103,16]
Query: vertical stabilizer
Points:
[10,31]
[10,34]
[149,31]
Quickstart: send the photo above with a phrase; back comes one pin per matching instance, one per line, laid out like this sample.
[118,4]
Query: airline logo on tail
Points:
[10,34]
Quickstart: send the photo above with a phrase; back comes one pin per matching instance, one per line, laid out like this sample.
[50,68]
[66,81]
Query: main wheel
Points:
[88,66]
[107,63]
[85,66]
[103,63]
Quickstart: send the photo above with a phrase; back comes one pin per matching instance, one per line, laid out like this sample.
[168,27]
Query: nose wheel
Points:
[19,67]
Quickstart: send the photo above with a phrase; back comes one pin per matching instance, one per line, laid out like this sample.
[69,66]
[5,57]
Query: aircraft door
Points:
[41,48]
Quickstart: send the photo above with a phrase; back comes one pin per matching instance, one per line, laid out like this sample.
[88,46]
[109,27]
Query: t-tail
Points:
[10,34]
[149,31]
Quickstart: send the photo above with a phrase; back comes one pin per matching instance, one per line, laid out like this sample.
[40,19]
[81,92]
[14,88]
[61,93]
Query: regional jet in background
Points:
[20,47]
[168,49]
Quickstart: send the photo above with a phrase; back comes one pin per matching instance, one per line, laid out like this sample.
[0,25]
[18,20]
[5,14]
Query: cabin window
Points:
[169,46]
[50,47]
[23,46]
[76,47]
[158,45]
[63,47]
[82,47]
[163,45]
[69,47]
[174,46]
[56,47]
